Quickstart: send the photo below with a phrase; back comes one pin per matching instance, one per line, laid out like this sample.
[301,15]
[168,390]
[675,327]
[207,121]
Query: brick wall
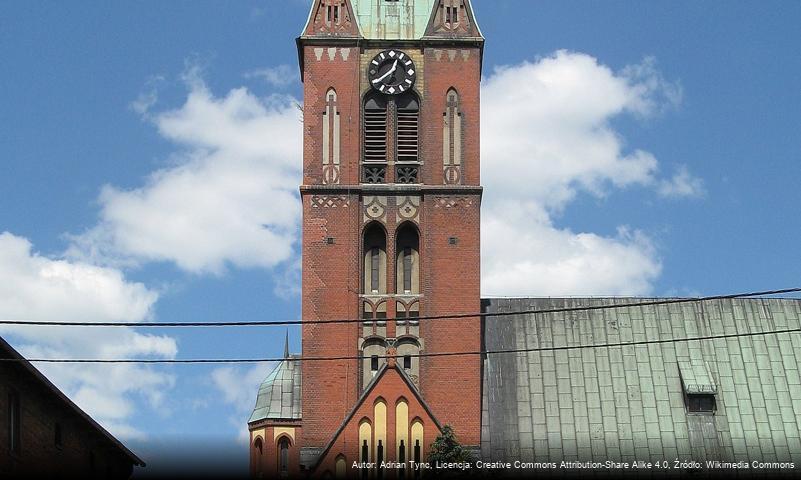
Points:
[84,451]
[450,274]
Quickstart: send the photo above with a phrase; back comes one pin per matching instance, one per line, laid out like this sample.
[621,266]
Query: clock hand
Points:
[389,72]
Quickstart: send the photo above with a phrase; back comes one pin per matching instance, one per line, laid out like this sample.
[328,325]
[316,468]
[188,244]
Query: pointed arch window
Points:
[375,260]
[401,430]
[283,456]
[417,444]
[331,139]
[365,444]
[452,139]
[390,137]
[380,424]
[374,354]
[375,139]
[409,350]
[341,467]
[258,451]
[407,272]
[408,120]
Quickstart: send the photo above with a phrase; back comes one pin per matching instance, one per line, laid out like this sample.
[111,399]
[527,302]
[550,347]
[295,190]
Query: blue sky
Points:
[656,152]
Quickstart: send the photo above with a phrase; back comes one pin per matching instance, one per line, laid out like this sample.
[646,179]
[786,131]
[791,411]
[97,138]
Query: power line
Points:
[269,323]
[419,355]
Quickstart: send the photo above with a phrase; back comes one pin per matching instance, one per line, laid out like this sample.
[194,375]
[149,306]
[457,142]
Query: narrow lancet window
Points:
[375,260]
[408,260]
[375,139]
[331,139]
[408,116]
[452,140]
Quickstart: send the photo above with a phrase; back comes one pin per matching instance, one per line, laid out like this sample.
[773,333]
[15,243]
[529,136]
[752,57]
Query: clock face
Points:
[392,72]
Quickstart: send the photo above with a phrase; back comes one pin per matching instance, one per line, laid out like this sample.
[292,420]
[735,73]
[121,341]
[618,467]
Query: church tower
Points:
[391,211]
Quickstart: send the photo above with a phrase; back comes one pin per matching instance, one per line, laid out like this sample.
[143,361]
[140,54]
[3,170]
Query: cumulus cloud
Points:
[148,98]
[237,387]
[227,198]
[546,137]
[35,287]
[682,184]
[280,76]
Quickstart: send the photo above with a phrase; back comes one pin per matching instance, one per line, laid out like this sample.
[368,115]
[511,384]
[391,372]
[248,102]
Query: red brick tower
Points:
[391,206]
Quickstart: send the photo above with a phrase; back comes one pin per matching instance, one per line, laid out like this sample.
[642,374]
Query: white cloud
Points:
[229,197]
[34,287]
[527,256]
[546,137]
[280,76]
[238,387]
[148,98]
[682,184]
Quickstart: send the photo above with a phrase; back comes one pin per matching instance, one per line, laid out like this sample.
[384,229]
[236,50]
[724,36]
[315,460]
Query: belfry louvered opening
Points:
[391,138]
[408,120]
[375,129]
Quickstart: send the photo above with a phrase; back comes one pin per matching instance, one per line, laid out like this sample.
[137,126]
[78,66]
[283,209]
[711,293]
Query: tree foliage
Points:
[447,449]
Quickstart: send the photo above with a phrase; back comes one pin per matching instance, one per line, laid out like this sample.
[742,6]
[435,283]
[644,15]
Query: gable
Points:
[452,19]
[390,411]
[331,18]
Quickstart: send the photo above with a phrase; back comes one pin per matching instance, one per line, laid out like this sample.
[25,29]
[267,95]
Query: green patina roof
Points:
[279,394]
[695,376]
[627,403]
[401,20]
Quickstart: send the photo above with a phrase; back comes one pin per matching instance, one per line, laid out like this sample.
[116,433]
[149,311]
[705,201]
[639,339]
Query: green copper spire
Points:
[393,20]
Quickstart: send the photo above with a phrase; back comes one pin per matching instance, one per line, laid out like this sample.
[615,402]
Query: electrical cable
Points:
[419,355]
[456,316]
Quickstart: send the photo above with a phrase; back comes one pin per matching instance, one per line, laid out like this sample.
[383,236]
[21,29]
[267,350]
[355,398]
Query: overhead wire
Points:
[418,355]
[454,316]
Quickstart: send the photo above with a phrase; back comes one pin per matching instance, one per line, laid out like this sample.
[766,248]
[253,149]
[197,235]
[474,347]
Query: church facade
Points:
[391,199]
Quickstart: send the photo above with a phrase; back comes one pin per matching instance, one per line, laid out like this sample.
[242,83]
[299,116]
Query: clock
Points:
[392,72]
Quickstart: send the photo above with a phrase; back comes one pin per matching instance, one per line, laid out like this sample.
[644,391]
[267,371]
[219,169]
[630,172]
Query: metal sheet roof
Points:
[627,403]
[279,394]
[695,377]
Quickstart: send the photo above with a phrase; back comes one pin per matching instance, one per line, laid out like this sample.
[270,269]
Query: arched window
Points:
[331,138]
[452,139]
[258,451]
[401,430]
[417,444]
[407,248]
[390,135]
[409,351]
[375,260]
[375,138]
[283,456]
[365,443]
[373,352]
[380,424]
[408,123]
[341,467]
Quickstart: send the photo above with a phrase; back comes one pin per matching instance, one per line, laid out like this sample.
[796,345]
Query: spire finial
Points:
[286,345]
